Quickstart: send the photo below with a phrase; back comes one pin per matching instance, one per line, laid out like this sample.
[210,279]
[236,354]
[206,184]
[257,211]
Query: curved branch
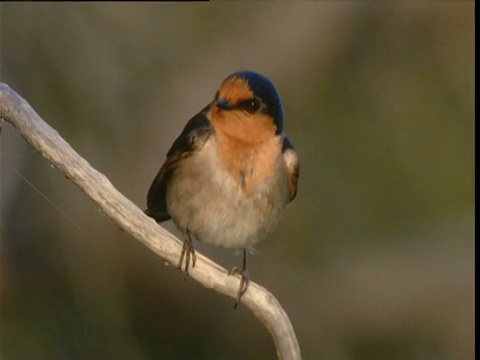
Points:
[129,217]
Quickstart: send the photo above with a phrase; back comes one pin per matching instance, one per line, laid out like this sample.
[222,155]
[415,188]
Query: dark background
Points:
[373,260]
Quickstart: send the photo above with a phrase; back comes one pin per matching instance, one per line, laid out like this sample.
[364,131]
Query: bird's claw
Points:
[245,280]
[233,271]
[189,253]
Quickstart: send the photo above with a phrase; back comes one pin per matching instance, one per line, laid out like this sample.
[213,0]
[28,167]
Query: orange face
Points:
[235,90]
[247,141]
[250,128]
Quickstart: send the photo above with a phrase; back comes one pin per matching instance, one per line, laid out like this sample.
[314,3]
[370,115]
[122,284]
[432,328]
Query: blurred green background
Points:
[373,260]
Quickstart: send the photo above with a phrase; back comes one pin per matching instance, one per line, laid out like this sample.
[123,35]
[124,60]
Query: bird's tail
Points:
[159,216]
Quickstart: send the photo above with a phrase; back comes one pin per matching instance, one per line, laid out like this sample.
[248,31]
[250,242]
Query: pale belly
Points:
[205,199]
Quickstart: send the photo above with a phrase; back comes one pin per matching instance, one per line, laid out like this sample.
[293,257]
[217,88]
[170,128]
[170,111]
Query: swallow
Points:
[229,175]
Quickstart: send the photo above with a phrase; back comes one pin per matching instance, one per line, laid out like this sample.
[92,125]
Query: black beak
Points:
[224,104]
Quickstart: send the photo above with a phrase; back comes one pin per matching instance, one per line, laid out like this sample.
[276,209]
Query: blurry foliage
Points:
[373,260]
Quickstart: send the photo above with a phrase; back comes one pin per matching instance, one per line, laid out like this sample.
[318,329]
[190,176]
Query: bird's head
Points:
[248,100]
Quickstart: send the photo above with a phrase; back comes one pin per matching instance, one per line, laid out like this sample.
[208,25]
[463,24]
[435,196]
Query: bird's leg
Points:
[187,251]
[245,281]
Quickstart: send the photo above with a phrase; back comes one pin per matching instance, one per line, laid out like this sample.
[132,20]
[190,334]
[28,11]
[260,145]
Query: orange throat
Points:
[248,146]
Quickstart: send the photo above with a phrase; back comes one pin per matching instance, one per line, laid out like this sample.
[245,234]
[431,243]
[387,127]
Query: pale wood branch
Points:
[129,217]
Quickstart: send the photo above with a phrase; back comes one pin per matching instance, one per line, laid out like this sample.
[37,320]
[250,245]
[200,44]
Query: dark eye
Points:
[250,105]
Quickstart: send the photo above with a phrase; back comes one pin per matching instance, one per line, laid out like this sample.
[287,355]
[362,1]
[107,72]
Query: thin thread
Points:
[48,200]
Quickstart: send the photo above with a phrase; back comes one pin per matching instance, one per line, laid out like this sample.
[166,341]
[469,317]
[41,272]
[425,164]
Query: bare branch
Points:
[129,217]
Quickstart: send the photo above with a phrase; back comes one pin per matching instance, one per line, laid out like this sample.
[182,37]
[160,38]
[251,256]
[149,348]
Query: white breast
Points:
[205,199]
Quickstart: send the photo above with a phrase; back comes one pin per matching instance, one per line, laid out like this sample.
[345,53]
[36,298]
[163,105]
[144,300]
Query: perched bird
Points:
[231,172]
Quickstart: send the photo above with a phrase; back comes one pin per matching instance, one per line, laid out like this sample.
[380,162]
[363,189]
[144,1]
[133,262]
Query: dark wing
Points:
[293,167]
[197,130]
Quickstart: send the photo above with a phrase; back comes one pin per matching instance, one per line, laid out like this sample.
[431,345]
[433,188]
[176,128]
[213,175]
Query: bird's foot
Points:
[244,282]
[188,252]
